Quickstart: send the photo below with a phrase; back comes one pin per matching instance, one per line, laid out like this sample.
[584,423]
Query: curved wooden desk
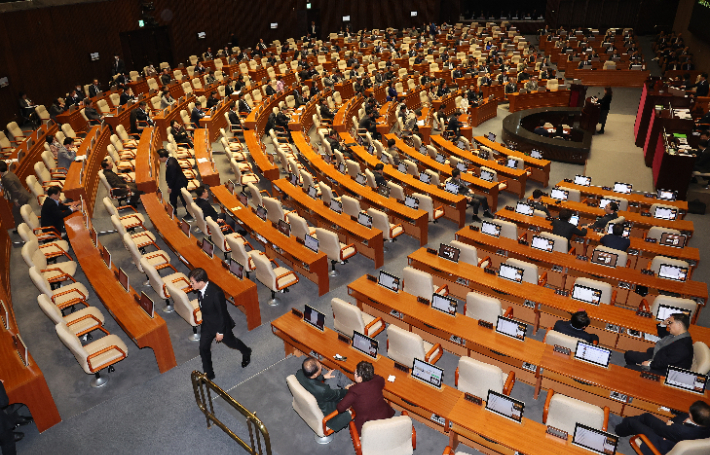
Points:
[540,168]
[520,102]
[83,177]
[608,78]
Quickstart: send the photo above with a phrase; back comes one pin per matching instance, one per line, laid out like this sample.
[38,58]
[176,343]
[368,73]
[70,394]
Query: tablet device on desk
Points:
[461,145]
[559,194]
[314,317]
[236,268]
[185,227]
[293,178]
[491,137]
[590,353]
[370,149]
[604,258]
[5,315]
[106,256]
[428,373]
[449,252]
[208,247]
[147,304]
[524,209]
[243,199]
[336,206]
[284,227]
[94,237]
[536,154]
[673,272]
[401,167]
[511,273]
[674,240]
[486,175]
[341,168]
[623,188]
[664,213]
[511,328]
[505,406]
[625,234]
[451,188]
[461,166]
[666,195]
[444,304]
[542,243]
[424,177]
[574,219]
[388,281]
[490,229]
[364,344]
[586,294]
[365,220]
[582,180]
[512,163]
[665,311]
[311,243]
[361,179]
[261,212]
[123,279]
[312,191]
[441,159]
[595,440]
[411,202]
[686,380]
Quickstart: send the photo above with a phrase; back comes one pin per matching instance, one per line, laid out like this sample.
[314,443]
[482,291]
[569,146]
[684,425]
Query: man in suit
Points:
[576,326]
[541,130]
[233,116]
[127,96]
[379,178]
[474,200]
[365,397]
[616,239]
[562,226]
[14,188]
[208,55]
[203,202]
[175,179]
[66,153]
[118,66]
[54,212]
[261,46]
[196,114]
[311,377]
[212,101]
[138,114]
[324,111]
[165,78]
[675,348]
[95,89]
[126,188]
[9,420]
[665,435]
[454,124]
[217,324]
[91,113]
[242,105]
[313,30]
[537,202]
[702,163]
[701,88]
[610,214]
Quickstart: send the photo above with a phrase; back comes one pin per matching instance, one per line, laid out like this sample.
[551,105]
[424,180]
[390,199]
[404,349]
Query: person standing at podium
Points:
[604,105]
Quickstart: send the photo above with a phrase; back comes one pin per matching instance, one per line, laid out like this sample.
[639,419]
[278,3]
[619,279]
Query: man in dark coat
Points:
[311,377]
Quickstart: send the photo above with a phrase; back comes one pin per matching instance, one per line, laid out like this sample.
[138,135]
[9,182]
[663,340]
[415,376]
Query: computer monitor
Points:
[512,163]
[106,256]
[5,315]
[511,327]
[364,219]
[361,179]
[314,318]
[366,345]
[559,194]
[336,206]
[686,380]
[574,220]
[626,233]
[582,180]
[665,311]
[449,252]
[590,353]
[586,294]
[293,178]
[542,243]
[384,191]
[604,258]
[185,227]
[595,440]
[94,236]
[665,213]
[311,243]
[284,228]
[401,167]
[524,209]
[505,406]
[411,202]
[490,229]
[666,195]
[370,149]
[208,247]
[236,268]
[312,191]
[342,168]
[483,154]
[388,281]
[674,240]
[511,273]
[486,175]
[243,199]
[491,137]
[451,188]
[623,188]
[428,373]
[461,166]
[441,159]
[147,304]
[424,177]
[123,279]
[461,145]
[444,304]
[261,212]
[536,154]
[673,272]
[21,349]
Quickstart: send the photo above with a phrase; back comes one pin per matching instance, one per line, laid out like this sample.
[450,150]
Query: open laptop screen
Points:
[314,317]
[673,272]
[595,440]
[361,179]
[236,268]
[592,354]
[665,311]
[336,206]
[311,243]
[686,380]
[486,175]
[364,219]
[427,373]
[666,195]
[147,304]
[512,163]
[574,220]
[524,209]
[490,229]
[185,227]
[536,154]
[388,281]
[491,137]
[664,213]
[449,252]
[123,279]
[674,240]
[444,304]
[364,344]
[208,247]
[623,188]
[411,202]
[312,191]
[261,212]
[284,227]
[560,195]
[587,295]
[505,406]
[452,188]
[424,177]
[541,243]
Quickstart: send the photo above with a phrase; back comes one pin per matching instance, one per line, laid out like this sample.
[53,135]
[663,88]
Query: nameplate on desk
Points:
[557,268]
[473,399]
[623,285]
[646,214]
[618,396]
[297,313]
[431,250]
[438,419]
[530,304]
[372,278]
[423,300]
[633,333]
[485,324]
[582,257]
[401,367]
[490,271]
[651,240]
[342,338]
[606,188]
[650,376]
[561,350]
[473,228]
[556,432]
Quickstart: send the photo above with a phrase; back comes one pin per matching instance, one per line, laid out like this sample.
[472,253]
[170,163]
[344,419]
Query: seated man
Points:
[609,214]
[675,348]
[203,202]
[54,212]
[474,200]
[576,326]
[616,239]
[563,227]
[541,130]
[196,114]
[365,397]
[128,189]
[379,179]
[537,202]
[665,435]
[311,378]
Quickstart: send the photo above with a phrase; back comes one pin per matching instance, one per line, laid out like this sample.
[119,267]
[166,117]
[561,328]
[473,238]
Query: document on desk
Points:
[203,160]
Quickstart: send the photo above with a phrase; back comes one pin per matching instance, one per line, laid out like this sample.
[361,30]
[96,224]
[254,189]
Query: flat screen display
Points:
[673,272]
[361,179]
[208,247]
[596,355]
[364,219]
[236,268]
[536,154]
[428,373]
[505,406]
[491,137]
[123,279]
[665,311]
[449,252]
[364,344]
[451,188]
[686,380]
[512,163]
[574,219]
[541,243]
[261,212]
[604,201]
[486,175]
[424,177]
[314,318]
[411,202]
[384,190]
[5,315]
[243,199]
[586,295]
[666,195]
[511,328]
[444,304]
[490,229]
[185,227]
[21,349]
[336,206]
[312,191]
[462,167]
[511,273]
[401,167]
[604,258]
[311,243]
[595,440]
[293,178]
[582,180]
[284,228]
[623,188]
[560,195]
[664,213]
[94,236]
[106,256]
[524,209]
[389,281]
[147,304]
[441,159]
[674,240]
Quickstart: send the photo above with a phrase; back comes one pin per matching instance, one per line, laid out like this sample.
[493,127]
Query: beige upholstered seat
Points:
[608,294]
[469,254]
[574,194]
[380,221]
[63,297]
[157,259]
[327,194]
[349,318]
[553,85]
[95,356]
[307,408]
[393,436]
[676,302]
[274,209]
[701,358]
[477,378]
[51,249]
[80,322]
[692,447]
[421,284]
[255,193]
[159,283]
[403,347]
[508,229]
[56,273]
[351,206]
[299,226]
[565,413]
[238,247]
[47,178]
[656,232]
[560,339]
[426,204]
[188,309]
[142,239]
[396,191]
[277,278]
[658,261]
[130,221]
[622,256]
[483,307]
[560,243]
[530,272]
[336,251]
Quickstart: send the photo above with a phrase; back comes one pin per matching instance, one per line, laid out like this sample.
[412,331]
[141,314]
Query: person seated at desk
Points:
[511,86]
[454,125]
[180,134]
[675,348]
[379,178]
[665,435]
[166,99]
[368,123]
[325,111]
[702,88]
[474,200]
[74,97]
[541,130]
[391,92]
[616,239]
[242,105]
[212,101]
[57,107]
[196,114]
[203,202]
[127,96]
[139,114]
[537,201]
[576,326]
[562,226]
[91,113]
[199,68]
[531,85]
[54,212]
[702,163]
[126,189]
[365,397]
[393,151]
[609,214]
[95,88]
[66,153]
[165,78]
[209,78]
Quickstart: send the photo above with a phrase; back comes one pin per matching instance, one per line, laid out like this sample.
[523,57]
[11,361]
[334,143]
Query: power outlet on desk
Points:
[457,340]
[530,367]
[462,281]
[612,328]
[396,314]
[646,214]
[618,396]
[438,419]
[530,304]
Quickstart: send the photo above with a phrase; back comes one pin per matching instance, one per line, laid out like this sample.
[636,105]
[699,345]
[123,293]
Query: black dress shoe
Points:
[246,359]
[488,214]
[24,420]
[18,435]
[210,376]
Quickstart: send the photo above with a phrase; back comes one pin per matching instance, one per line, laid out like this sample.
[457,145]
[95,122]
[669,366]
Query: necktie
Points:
[199,298]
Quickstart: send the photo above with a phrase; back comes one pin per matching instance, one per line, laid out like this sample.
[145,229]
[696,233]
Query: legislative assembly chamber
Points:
[321,227]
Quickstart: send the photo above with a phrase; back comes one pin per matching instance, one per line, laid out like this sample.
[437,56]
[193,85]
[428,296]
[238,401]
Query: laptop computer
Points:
[595,440]
[524,209]
[486,175]
[596,355]
[311,243]
[542,243]
[411,202]
[673,272]
[490,228]
[444,304]
[674,240]
[664,213]
[623,188]
[389,281]
[314,317]
[686,380]
[511,327]
[505,406]
[559,194]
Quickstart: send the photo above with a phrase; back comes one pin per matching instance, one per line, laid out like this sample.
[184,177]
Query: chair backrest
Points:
[677,302]
[391,436]
[29,216]
[274,209]
[477,378]
[656,232]
[693,447]
[574,194]
[40,281]
[255,194]
[182,305]
[216,233]
[381,222]
[426,204]
[328,243]
[351,206]
[154,278]
[623,257]
[483,307]
[469,254]
[353,168]
[72,343]
[701,358]
[404,346]
[594,284]
[396,191]
[239,253]
[530,272]
[560,244]
[565,412]
[347,317]
[306,405]
[560,339]
[264,271]
[326,193]
[658,261]
[417,282]
[33,256]
[508,229]
[299,226]
[50,309]
[199,216]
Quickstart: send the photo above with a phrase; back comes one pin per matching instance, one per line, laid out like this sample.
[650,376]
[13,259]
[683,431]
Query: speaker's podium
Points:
[590,115]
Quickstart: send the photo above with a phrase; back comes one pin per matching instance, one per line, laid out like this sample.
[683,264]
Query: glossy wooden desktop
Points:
[608,78]
[540,168]
[30,151]
[520,102]
[73,117]
[203,158]
[369,242]
[163,119]
[242,293]
[143,330]
[147,161]
[638,199]
[83,177]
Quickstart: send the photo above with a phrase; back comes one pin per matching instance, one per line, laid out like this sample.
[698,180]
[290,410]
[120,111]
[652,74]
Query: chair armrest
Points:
[543,279]
[485,259]
[613,297]
[448,451]
[286,274]
[63,275]
[605,425]
[444,288]
[352,245]
[644,306]
[356,438]
[86,316]
[71,291]
[372,323]
[393,227]
[155,255]
[633,442]
[508,312]
[414,432]
[103,351]
[51,230]
[510,382]
[523,236]
[431,352]
[546,409]
[161,266]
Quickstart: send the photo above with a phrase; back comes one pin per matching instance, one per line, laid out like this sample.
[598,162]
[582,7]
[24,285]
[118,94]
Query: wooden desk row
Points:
[540,169]
[82,180]
[147,161]
[609,78]
[635,199]
[519,102]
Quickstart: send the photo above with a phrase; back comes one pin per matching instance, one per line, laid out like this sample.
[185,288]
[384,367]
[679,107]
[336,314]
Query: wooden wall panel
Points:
[643,15]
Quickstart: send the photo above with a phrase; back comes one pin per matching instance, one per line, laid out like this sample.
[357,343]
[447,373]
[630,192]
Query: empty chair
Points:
[64,296]
[95,356]
[277,279]
[608,296]
[58,272]
[421,284]
[433,175]
[468,253]
[130,221]
[560,243]
[351,206]
[348,319]
[327,194]
[656,232]
[393,436]
[218,237]
[485,308]
[427,204]
[159,283]
[658,261]
[403,347]
[477,378]
[238,248]
[564,413]
[553,85]
[701,358]
[642,445]
[530,272]
[157,259]
[188,309]
[330,244]
[622,256]
[299,226]
[381,221]
[553,338]
[81,323]
[255,194]
[142,239]
[396,191]
[508,229]
[274,209]
[51,249]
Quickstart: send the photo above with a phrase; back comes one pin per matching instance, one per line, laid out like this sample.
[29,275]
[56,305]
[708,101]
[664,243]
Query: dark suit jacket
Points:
[118,67]
[270,90]
[368,402]
[678,354]
[326,397]
[207,209]
[702,88]
[196,115]
[567,230]
[243,106]
[215,317]
[540,206]
[602,222]
[137,114]
[53,214]
[174,176]
[93,91]
[665,437]
[125,97]
[6,422]
[233,118]
[14,188]
[616,241]
[114,180]
[567,328]
[541,131]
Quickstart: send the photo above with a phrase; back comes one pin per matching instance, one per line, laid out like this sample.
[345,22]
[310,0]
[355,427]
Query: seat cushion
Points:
[284,281]
[61,299]
[399,230]
[55,247]
[87,323]
[366,319]
[566,412]
[108,356]
[61,268]
[143,237]
[178,279]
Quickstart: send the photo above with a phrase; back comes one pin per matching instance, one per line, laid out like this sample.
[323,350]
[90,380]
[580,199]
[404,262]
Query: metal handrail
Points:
[203,388]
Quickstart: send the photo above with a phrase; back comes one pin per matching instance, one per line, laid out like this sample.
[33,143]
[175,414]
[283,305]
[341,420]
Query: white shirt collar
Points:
[204,289]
